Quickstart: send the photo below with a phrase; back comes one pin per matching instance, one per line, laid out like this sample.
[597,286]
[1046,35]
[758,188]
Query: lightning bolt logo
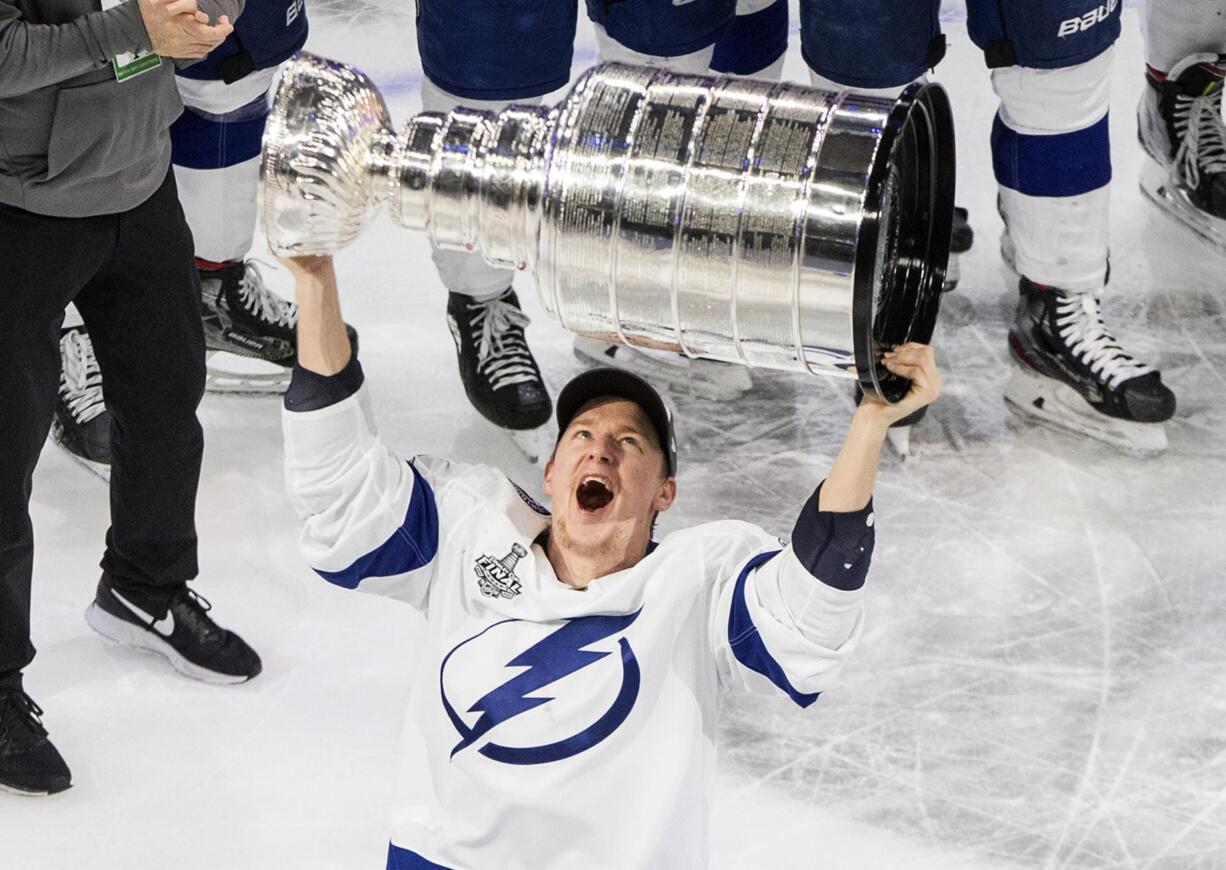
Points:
[557,655]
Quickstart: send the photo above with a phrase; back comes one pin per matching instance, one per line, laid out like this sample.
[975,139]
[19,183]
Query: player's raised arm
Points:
[849,485]
[369,517]
[323,345]
[793,616]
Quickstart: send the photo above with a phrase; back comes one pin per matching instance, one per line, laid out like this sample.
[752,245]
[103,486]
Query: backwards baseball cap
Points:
[601,382]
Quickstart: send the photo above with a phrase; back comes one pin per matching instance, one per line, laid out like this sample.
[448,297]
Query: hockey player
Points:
[485,58]
[1050,62]
[1179,119]
[571,663]
[215,152]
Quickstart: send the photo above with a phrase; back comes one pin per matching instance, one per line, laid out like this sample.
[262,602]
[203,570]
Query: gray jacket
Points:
[74,141]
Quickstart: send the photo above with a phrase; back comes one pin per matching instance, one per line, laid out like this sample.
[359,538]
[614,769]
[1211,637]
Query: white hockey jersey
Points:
[551,727]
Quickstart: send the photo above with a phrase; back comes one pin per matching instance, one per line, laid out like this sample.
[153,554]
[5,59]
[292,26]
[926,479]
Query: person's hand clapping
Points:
[179,30]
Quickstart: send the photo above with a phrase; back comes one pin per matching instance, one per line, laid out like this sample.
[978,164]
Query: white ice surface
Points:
[1042,683]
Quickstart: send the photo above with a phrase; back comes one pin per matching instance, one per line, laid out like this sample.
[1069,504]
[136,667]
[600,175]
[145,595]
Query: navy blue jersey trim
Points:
[836,547]
[1064,164]
[310,391]
[412,546]
[747,644]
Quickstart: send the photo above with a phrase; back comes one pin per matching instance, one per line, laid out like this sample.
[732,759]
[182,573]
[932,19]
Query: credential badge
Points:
[496,577]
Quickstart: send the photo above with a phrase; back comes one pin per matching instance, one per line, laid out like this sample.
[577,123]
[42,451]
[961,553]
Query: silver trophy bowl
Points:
[772,225]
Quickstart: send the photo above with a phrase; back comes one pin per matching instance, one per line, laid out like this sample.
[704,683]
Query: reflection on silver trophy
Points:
[767,224]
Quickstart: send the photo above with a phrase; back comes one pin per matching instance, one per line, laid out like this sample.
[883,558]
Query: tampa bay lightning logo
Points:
[558,655]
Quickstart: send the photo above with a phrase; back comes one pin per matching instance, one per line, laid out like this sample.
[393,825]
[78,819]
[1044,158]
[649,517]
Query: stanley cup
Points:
[766,224]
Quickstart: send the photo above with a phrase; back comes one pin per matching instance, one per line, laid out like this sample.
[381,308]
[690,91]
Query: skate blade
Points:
[533,443]
[953,274]
[229,374]
[1059,406]
[899,438]
[706,379]
[1155,183]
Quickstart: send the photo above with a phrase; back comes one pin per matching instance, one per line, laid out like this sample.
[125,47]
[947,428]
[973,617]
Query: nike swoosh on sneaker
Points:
[164,626]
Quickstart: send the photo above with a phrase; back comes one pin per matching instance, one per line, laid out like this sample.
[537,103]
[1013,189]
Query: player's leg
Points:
[45,261]
[142,312]
[1179,119]
[755,44]
[1052,160]
[878,47]
[486,59]
[681,37]
[216,148]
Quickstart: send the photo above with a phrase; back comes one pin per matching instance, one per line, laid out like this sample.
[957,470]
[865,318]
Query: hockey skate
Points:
[248,331]
[960,242]
[707,379]
[82,424]
[1070,373]
[1179,123]
[499,373]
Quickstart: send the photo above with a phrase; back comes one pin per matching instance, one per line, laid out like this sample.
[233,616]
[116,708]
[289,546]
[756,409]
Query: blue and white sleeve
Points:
[370,520]
[793,616]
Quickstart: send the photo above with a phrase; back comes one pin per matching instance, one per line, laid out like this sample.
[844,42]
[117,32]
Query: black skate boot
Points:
[174,623]
[29,762]
[960,242]
[500,375]
[82,424]
[243,317]
[1179,123]
[1071,373]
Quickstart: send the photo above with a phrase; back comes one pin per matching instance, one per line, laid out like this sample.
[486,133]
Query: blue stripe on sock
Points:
[747,644]
[201,143]
[403,859]
[1064,164]
[753,42]
[410,547]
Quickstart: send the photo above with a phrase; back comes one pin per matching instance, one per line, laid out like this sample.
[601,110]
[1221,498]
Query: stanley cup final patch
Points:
[496,577]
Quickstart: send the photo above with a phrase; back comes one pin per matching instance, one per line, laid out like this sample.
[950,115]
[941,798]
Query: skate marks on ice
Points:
[1040,678]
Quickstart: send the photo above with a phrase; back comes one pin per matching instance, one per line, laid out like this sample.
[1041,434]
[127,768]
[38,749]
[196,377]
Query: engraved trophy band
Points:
[772,225]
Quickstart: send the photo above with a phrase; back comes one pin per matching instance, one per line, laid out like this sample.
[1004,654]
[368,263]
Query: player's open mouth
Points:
[593,494]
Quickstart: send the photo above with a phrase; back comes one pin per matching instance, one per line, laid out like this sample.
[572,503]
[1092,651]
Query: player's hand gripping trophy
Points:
[766,224]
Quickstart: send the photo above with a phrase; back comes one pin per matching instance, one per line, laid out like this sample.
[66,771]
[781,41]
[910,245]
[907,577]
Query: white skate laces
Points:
[498,332]
[1082,329]
[1202,137]
[81,381]
[261,302]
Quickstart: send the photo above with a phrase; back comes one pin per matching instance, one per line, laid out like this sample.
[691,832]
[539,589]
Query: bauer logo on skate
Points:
[540,698]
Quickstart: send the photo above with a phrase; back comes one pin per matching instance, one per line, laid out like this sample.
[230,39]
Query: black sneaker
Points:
[176,624]
[82,424]
[29,763]
[500,375]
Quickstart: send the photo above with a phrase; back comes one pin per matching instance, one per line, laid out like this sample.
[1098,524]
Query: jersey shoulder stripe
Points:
[747,644]
[411,546]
